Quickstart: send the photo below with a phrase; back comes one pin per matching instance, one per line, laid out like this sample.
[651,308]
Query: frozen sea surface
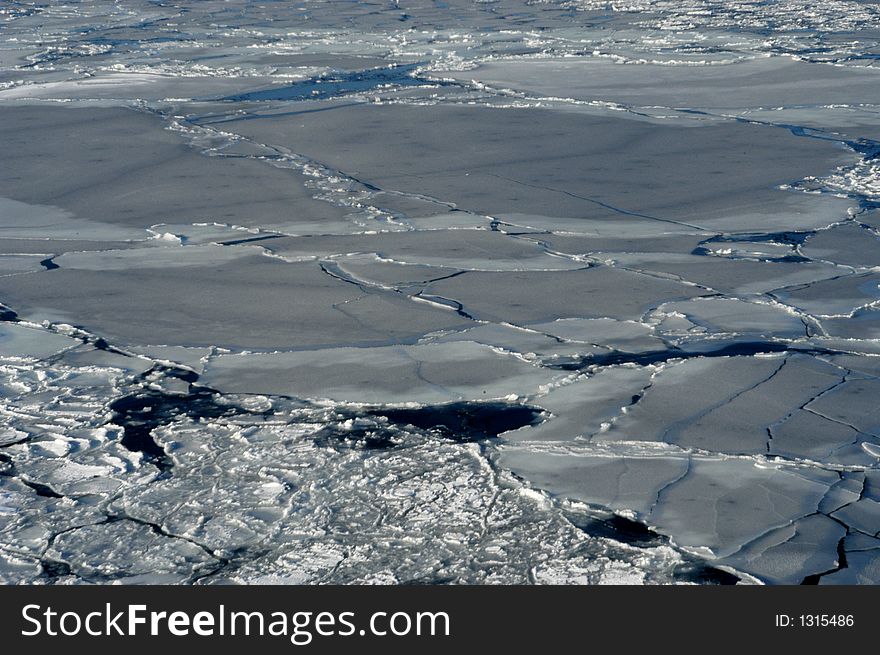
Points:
[524,291]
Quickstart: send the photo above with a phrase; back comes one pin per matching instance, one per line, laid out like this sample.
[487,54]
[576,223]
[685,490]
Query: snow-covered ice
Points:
[523,291]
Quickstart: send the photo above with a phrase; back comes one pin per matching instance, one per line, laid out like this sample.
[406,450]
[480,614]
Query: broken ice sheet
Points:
[783,554]
[839,296]
[427,373]
[848,244]
[460,249]
[713,506]
[592,176]
[758,82]
[252,333]
[18,264]
[723,504]
[38,221]
[119,86]
[526,343]
[586,405]
[623,335]
[525,297]
[167,257]
[732,315]
[864,324]
[681,408]
[231,303]
[862,567]
[89,183]
[845,404]
[18,341]
[726,275]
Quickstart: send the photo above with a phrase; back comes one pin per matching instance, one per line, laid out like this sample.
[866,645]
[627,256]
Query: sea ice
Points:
[522,291]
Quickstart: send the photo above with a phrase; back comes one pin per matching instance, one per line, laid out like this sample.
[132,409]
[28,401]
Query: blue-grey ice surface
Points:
[512,291]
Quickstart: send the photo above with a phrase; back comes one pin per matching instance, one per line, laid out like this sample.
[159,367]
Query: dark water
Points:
[462,422]
[140,414]
[338,84]
[465,421]
[741,349]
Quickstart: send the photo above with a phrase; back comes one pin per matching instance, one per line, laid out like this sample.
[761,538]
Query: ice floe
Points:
[573,291]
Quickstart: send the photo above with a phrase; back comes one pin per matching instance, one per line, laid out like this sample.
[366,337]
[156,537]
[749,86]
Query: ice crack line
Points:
[602,204]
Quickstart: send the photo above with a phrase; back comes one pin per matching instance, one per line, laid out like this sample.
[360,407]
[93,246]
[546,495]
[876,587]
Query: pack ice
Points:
[529,291]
